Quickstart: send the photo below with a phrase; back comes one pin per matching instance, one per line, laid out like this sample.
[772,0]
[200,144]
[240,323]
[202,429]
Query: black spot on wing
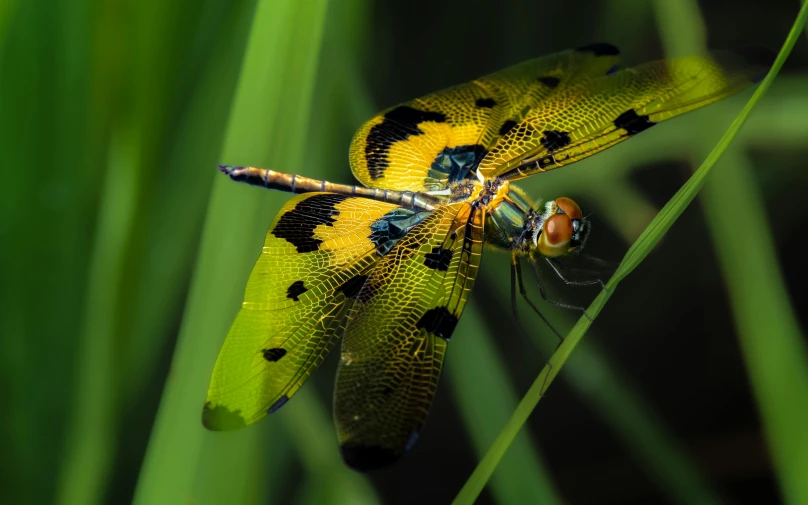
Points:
[485,103]
[549,81]
[438,259]
[397,125]
[439,322]
[367,457]
[507,126]
[278,404]
[599,49]
[613,69]
[220,418]
[297,226]
[633,123]
[454,164]
[295,290]
[554,140]
[274,354]
[352,286]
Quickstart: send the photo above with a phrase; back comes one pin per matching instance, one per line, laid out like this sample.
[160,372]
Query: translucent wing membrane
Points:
[393,279]
[432,141]
[397,334]
[591,115]
[300,289]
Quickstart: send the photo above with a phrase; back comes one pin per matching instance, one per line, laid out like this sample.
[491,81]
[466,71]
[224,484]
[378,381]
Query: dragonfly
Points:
[387,266]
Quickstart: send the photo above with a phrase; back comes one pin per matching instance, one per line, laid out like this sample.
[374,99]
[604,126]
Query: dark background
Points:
[113,115]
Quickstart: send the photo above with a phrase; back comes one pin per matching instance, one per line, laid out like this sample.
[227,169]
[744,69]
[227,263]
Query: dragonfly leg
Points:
[543,292]
[598,261]
[562,271]
[516,274]
[513,289]
[516,321]
[610,267]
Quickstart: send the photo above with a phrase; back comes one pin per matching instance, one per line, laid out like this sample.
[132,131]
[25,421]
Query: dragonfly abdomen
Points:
[294,183]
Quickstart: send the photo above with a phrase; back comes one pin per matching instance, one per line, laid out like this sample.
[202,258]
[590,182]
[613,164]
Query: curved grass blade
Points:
[770,338]
[89,451]
[268,124]
[485,394]
[772,344]
[635,255]
[609,393]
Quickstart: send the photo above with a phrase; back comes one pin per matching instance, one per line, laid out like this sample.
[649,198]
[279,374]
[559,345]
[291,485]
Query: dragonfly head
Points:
[563,230]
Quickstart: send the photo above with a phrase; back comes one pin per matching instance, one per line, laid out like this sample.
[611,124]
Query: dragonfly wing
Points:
[591,115]
[300,290]
[397,333]
[427,143]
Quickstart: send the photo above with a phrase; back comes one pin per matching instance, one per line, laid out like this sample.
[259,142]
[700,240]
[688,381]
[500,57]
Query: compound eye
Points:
[556,235]
[569,207]
[558,229]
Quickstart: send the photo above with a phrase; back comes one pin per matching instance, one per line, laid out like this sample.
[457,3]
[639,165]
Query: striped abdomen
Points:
[298,184]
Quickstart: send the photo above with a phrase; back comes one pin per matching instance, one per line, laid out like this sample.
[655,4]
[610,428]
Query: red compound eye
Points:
[555,236]
[569,207]
[558,229]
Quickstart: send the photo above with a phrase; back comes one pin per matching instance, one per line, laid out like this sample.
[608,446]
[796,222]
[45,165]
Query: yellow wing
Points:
[397,333]
[430,142]
[316,255]
[591,115]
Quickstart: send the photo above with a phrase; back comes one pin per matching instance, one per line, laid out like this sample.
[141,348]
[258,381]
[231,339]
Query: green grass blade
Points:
[91,439]
[6,14]
[44,214]
[329,480]
[639,250]
[182,191]
[267,126]
[127,318]
[484,394]
[772,344]
[611,395]
[643,433]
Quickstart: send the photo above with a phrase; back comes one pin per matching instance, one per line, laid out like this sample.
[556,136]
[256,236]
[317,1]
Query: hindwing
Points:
[397,333]
[316,256]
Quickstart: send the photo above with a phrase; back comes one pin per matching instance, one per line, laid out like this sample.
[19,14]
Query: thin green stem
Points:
[639,250]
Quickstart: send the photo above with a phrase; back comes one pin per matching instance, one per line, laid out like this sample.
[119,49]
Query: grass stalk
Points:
[772,344]
[485,394]
[639,250]
[267,126]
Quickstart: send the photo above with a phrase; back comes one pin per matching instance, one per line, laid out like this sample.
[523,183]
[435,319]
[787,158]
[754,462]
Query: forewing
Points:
[427,143]
[397,334]
[305,280]
[591,115]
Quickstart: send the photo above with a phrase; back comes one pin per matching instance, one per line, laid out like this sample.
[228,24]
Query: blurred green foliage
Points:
[124,257]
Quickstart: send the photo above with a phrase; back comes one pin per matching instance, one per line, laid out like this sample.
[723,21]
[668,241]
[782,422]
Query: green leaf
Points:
[268,124]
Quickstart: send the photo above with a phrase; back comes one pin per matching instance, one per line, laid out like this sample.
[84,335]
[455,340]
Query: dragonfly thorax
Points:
[555,228]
